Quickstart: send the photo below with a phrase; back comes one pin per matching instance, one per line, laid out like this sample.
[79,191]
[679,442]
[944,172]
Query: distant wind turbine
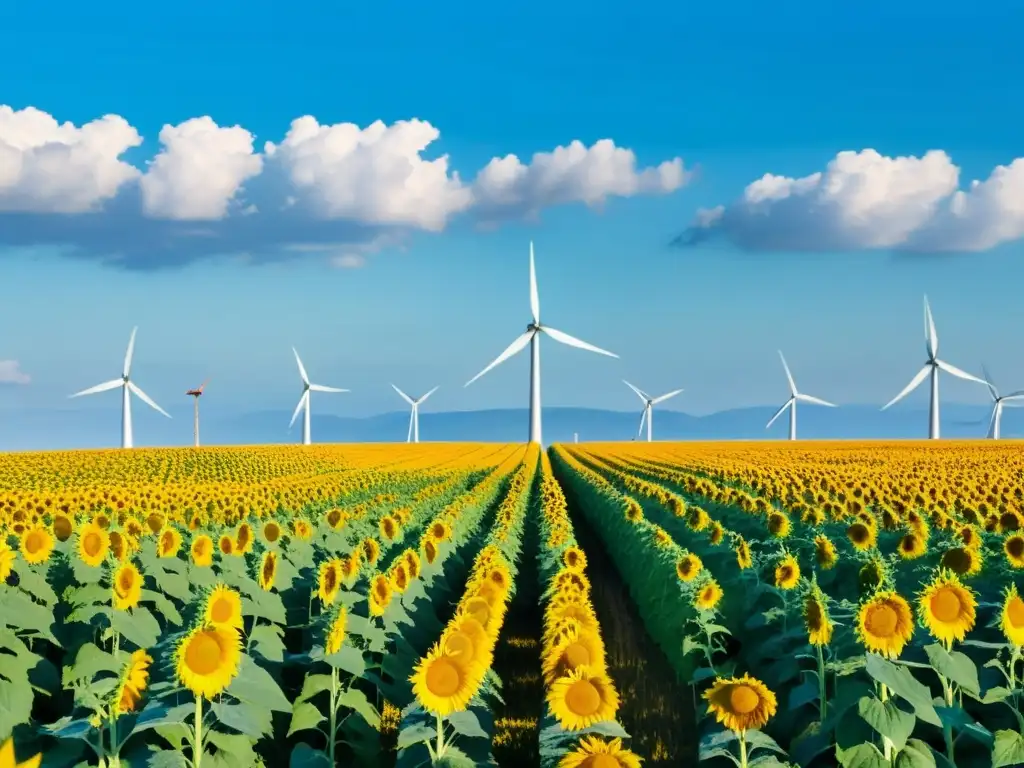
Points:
[414,416]
[304,400]
[997,404]
[932,366]
[649,403]
[127,388]
[794,398]
[197,393]
[532,337]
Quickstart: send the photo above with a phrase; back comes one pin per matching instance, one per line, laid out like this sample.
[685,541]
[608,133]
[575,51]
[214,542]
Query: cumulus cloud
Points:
[865,200]
[334,190]
[11,373]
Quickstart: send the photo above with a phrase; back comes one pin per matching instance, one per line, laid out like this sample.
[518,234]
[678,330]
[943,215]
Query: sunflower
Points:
[62,527]
[824,552]
[243,539]
[350,567]
[1013,546]
[202,550]
[779,524]
[697,519]
[380,594]
[465,638]
[871,576]
[412,563]
[93,544]
[708,596]
[371,550]
[963,561]
[662,538]
[478,608]
[634,512]
[787,573]
[594,752]
[127,587]
[440,531]
[1012,617]
[885,623]
[970,537]
[443,683]
[268,570]
[207,659]
[947,608]
[156,522]
[716,533]
[118,545]
[816,619]
[574,648]
[862,536]
[336,632]
[912,546]
[574,558]
[335,518]
[271,531]
[743,558]
[9,760]
[741,703]
[223,607]
[688,567]
[329,581]
[7,558]
[302,529]
[169,543]
[226,545]
[399,577]
[388,527]
[133,683]
[429,550]
[581,698]
[36,545]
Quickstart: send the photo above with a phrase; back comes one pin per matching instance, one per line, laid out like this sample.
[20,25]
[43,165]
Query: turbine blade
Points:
[146,399]
[1014,395]
[789,376]
[816,400]
[412,417]
[665,397]
[931,336]
[639,392]
[643,420]
[992,421]
[302,368]
[322,388]
[991,384]
[298,408]
[779,412]
[405,397]
[104,387]
[534,296]
[572,341]
[943,365]
[128,355]
[910,387]
[512,349]
[424,397]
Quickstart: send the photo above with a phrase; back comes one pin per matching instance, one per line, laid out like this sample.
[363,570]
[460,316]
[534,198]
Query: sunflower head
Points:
[169,543]
[202,550]
[440,530]
[743,557]
[127,587]
[271,531]
[133,683]
[1013,547]
[336,631]
[787,573]
[824,552]
[380,594]
[574,558]
[62,526]
[816,618]
[779,524]
[371,550]
[207,659]
[226,545]
[268,570]
[429,550]
[708,596]
[741,703]
[36,544]
[329,581]
[962,561]
[1011,619]
[947,608]
[444,683]
[595,752]
[581,698]
[885,623]
[93,544]
[912,546]
[243,539]
[688,567]
[223,606]
[861,535]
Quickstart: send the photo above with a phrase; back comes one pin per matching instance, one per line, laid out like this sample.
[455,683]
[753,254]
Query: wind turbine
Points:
[649,403]
[997,404]
[532,337]
[932,366]
[127,388]
[197,393]
[304,400]
[414,416]
[794,397]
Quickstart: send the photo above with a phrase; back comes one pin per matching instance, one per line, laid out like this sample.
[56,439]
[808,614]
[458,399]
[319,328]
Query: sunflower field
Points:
[592,606]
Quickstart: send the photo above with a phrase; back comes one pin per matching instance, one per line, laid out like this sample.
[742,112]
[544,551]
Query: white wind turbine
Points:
[997,404]
[794,398]
[304,400]
[649,403]
[932,366]
[532,337]
[127,388]
[414,416]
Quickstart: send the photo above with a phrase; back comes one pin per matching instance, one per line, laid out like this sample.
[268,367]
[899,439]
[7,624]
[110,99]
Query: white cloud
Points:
[11,373]
[348,261]
[865,200]
[199,170]
[52,167]
[321,185]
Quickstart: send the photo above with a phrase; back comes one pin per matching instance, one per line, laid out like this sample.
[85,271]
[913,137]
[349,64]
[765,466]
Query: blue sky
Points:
[737,90]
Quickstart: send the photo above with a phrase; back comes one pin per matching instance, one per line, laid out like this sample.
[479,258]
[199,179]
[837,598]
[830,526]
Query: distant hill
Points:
[95,428]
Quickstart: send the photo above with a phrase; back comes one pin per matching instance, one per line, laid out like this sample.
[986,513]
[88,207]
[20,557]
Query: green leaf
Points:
[954,666]
[348,659]
[233,750]
[916,754]
[864,755]
[455,758]
[255,722]
[304,717]
[157,715]
[467,724]
[165,606]
[767,761]
[356,700]
[254,685]
[138,626]
[902,683]
[312,685]
[89,662]
[415,734]
[887,719]
[167,758]
[1008,749]
[266,641]
[20,612]
[761,740]
[304,756]
[66,728]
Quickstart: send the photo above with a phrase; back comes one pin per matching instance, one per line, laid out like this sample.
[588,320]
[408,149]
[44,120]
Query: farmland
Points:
[752,604]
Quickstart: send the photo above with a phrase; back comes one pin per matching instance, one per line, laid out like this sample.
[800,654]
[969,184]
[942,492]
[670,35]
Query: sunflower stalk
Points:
[888,748]
[947,728]
[333,716]
[440,737]
[742,737]
[197,741]
[822,701]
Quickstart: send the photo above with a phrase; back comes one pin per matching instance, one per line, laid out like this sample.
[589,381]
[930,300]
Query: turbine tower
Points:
[414,417]
[197,393]
[932,366]
[649,403]
[128,387]
[794,397]
[304,399]
[997,404]
[532,337]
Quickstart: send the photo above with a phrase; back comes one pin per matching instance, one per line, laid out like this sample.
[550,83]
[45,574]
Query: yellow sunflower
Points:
[1013,547]
[268,570]
[582,698]
[787,573]
[226,545]
[594,752]
[465,638]
[388,527]
[329,581]
[399,577]
[779,524]
[133,683]
[947,608]
[862,536]
[169,543]
[574,648]
[380,594]
[207,659]
[443,683]
[440,531]
[7,558]
[243,539]
[688,567]
[336,632]
[816,619]
[1011,620]
[708,596]
[429,550]
[885,624]
[743,558]
[202,550]
[412,563]
[302,529]
[371,550]
[824,552]
[36,545]
[962,561]
[93,544]
[9,760]
[271,531]
[574,558]
[741,703]
[223,607]
[127,587]
[62,527]
[912,546]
